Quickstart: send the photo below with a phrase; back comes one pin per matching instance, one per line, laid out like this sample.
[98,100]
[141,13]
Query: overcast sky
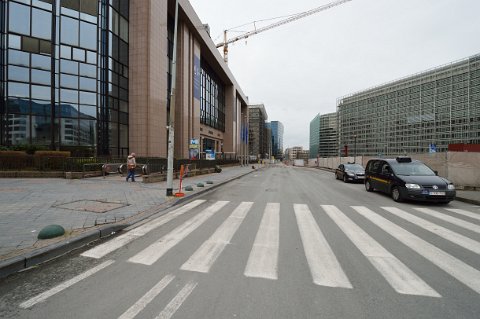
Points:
[300,69]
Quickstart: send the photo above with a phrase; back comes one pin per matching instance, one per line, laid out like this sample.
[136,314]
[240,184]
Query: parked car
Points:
[404,178]
[350,172]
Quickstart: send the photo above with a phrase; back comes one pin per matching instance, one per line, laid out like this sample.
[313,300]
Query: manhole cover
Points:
[93,206]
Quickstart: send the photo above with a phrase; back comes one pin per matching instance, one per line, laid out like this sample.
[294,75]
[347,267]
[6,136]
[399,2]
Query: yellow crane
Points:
[292,18]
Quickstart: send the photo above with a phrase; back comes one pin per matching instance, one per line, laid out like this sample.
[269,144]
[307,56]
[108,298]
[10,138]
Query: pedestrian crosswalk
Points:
[458,227]
[325,269]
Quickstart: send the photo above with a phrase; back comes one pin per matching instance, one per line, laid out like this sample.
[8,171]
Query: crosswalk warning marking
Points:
[450,219]
[263,259]
[464,273]
[203,259]
[55,290]
[156,250]
[324,266]
[443,232]
[397,274]
[147,298]
[177,301]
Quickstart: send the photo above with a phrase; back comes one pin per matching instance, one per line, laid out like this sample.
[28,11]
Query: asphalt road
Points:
[282,242]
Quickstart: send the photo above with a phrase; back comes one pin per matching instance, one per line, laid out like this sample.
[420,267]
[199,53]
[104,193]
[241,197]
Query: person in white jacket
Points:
[131,165]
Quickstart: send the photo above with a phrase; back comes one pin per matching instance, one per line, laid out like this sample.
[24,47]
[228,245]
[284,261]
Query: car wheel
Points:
[396,195]
[345,179]
[368,186]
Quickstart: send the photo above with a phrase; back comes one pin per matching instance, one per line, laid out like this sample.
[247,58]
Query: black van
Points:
[404,178]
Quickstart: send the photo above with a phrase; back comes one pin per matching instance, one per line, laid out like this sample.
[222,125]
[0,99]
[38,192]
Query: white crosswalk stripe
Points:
[155,251]
[262,262]
[324,266]
[452,236]
[464,273]
[177,301]
[450,219]
[134,310]
[464,213]
[399,276]
[120,241]
[203,259]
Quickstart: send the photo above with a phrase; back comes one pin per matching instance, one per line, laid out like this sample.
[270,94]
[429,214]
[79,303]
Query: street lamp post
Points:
[171,124]
[354,148]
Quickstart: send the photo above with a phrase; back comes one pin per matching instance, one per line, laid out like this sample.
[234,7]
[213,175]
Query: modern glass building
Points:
[94,77]
[277,139]
[328,137]
[314,140]
[417,114]
[64,74]
[323,135]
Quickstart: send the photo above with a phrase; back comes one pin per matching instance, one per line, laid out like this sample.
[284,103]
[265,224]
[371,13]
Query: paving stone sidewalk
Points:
[28,205]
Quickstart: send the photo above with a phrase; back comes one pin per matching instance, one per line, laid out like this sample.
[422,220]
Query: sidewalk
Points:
[87,209]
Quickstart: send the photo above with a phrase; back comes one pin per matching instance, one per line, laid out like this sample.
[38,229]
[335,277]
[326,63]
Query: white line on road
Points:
[464,273]
[203,259]
[55,290]
[155,251]
[324,266]
[450,219]
[443,232]
[147,298]
[398,275]
[177,301]
[263,259]
[464,213]
[120,241]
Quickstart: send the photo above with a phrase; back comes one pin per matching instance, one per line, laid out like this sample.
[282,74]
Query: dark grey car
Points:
[350,173]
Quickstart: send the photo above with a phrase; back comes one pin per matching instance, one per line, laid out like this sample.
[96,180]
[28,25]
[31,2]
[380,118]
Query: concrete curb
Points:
[468,200]
[22,262]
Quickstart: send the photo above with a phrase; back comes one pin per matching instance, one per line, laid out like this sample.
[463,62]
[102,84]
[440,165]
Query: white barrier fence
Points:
[462,168]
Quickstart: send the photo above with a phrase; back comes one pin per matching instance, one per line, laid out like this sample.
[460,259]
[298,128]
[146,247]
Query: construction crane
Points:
[292,18]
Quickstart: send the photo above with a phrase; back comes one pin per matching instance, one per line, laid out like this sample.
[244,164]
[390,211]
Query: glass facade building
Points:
[328,138]
[421,113]
[277,139]
[314,140]
[64,74]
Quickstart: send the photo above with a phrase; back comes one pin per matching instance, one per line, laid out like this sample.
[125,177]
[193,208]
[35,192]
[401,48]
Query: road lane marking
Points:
[147,298]
[443,232]
[120,241]
[464,273]
[263,259]
[450,219]
[55,290]
[397,274]
[324,266]
[464,213]
[155,251]
[177,301]
[203,259]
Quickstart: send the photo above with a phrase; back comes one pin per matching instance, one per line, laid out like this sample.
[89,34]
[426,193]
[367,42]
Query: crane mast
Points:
[226,41]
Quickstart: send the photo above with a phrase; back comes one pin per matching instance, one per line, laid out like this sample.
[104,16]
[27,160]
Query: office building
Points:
[328,137]
[257,143]
[277,139]
[314,140]
[421,113]
[94,76]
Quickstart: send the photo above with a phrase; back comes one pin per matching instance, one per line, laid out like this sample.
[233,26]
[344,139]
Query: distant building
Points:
[257,144]
[296,152]
[421,113]
[277,139]
[328,137]
[314,141]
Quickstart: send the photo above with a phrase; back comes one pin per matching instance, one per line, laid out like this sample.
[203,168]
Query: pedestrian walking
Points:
[131,165]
